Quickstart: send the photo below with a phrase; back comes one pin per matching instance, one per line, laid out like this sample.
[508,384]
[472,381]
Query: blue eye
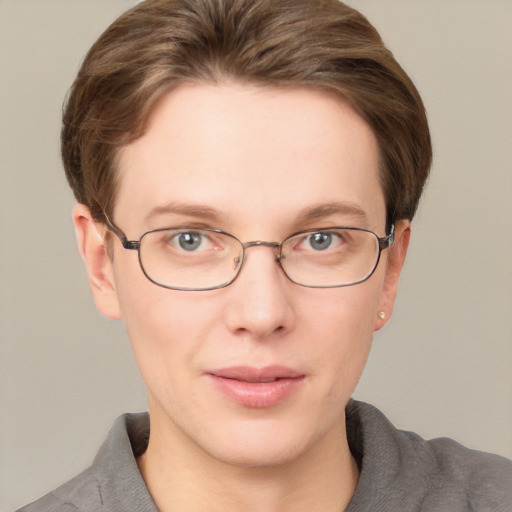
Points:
[189,241]
[320,241]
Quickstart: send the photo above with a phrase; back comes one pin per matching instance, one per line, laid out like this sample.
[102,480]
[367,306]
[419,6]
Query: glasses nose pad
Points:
[278,254]
[237,261]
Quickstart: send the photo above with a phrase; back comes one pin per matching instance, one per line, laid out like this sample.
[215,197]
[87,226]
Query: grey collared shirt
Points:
[400,471]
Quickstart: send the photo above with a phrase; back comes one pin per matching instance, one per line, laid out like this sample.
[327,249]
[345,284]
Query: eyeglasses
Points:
[192,259]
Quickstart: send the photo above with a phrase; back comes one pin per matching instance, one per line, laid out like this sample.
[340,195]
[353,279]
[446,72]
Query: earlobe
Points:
[394,265]
[91,246]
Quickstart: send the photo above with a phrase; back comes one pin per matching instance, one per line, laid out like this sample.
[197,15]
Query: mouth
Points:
[257,387]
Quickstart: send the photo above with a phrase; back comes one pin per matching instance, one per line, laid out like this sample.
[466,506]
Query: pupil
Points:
[189,241]
[321,241]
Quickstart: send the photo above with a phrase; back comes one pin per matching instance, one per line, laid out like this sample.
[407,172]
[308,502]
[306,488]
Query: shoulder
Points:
[402,471]
[79,494]
[113,481]
[483,479]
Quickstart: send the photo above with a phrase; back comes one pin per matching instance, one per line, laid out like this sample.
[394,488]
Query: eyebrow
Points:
[189,210]
[319,212]
[307,215]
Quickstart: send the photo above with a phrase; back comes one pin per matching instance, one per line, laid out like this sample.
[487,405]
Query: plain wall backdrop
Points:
[442,367]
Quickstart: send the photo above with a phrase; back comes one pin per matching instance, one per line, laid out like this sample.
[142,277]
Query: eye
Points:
[190,241]
[322,240]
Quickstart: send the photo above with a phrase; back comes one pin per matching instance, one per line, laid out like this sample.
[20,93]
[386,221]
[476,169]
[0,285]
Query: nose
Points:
[260,299]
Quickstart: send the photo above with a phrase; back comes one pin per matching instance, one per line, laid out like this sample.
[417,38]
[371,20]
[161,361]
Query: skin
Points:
[256,158]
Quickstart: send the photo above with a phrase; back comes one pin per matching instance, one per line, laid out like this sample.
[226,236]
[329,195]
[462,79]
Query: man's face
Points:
[261,164]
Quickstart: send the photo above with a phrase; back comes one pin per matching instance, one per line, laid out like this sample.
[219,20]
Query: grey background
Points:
[442,367]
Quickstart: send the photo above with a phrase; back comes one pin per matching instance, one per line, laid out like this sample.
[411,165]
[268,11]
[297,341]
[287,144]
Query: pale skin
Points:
[259,163]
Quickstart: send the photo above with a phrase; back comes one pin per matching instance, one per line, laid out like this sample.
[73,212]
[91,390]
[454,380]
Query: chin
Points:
[259,455]
[260,444]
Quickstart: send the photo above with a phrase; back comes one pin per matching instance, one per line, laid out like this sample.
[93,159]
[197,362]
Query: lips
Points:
[256,387]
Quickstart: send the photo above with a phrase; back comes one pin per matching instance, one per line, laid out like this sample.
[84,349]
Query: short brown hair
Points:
[160,44]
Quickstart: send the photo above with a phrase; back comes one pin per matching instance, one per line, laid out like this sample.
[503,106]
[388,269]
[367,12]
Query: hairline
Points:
[222,79]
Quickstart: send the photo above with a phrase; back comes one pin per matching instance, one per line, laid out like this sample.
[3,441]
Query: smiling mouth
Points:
[257,388]
[261,380]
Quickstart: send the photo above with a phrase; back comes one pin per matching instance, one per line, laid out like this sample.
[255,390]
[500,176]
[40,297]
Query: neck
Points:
[182,477]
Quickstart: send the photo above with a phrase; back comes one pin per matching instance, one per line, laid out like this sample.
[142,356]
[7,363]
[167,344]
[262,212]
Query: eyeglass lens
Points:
[201,259]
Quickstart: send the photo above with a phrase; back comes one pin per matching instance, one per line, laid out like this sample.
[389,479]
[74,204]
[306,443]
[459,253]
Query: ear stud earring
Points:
[381,315]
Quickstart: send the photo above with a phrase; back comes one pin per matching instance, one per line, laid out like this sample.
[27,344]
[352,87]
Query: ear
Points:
[395,262]
[91,244]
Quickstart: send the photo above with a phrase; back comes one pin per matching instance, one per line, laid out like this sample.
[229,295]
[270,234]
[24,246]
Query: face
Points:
[258,163]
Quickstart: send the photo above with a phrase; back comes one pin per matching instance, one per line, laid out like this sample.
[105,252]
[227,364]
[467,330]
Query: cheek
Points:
[164,328]
[341,321]
[346,314]
[166,336]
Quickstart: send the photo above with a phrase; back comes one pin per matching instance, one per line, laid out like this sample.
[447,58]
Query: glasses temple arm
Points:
[127,244]
[388,240]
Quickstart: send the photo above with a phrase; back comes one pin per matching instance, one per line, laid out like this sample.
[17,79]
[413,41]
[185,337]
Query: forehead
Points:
[250,153]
